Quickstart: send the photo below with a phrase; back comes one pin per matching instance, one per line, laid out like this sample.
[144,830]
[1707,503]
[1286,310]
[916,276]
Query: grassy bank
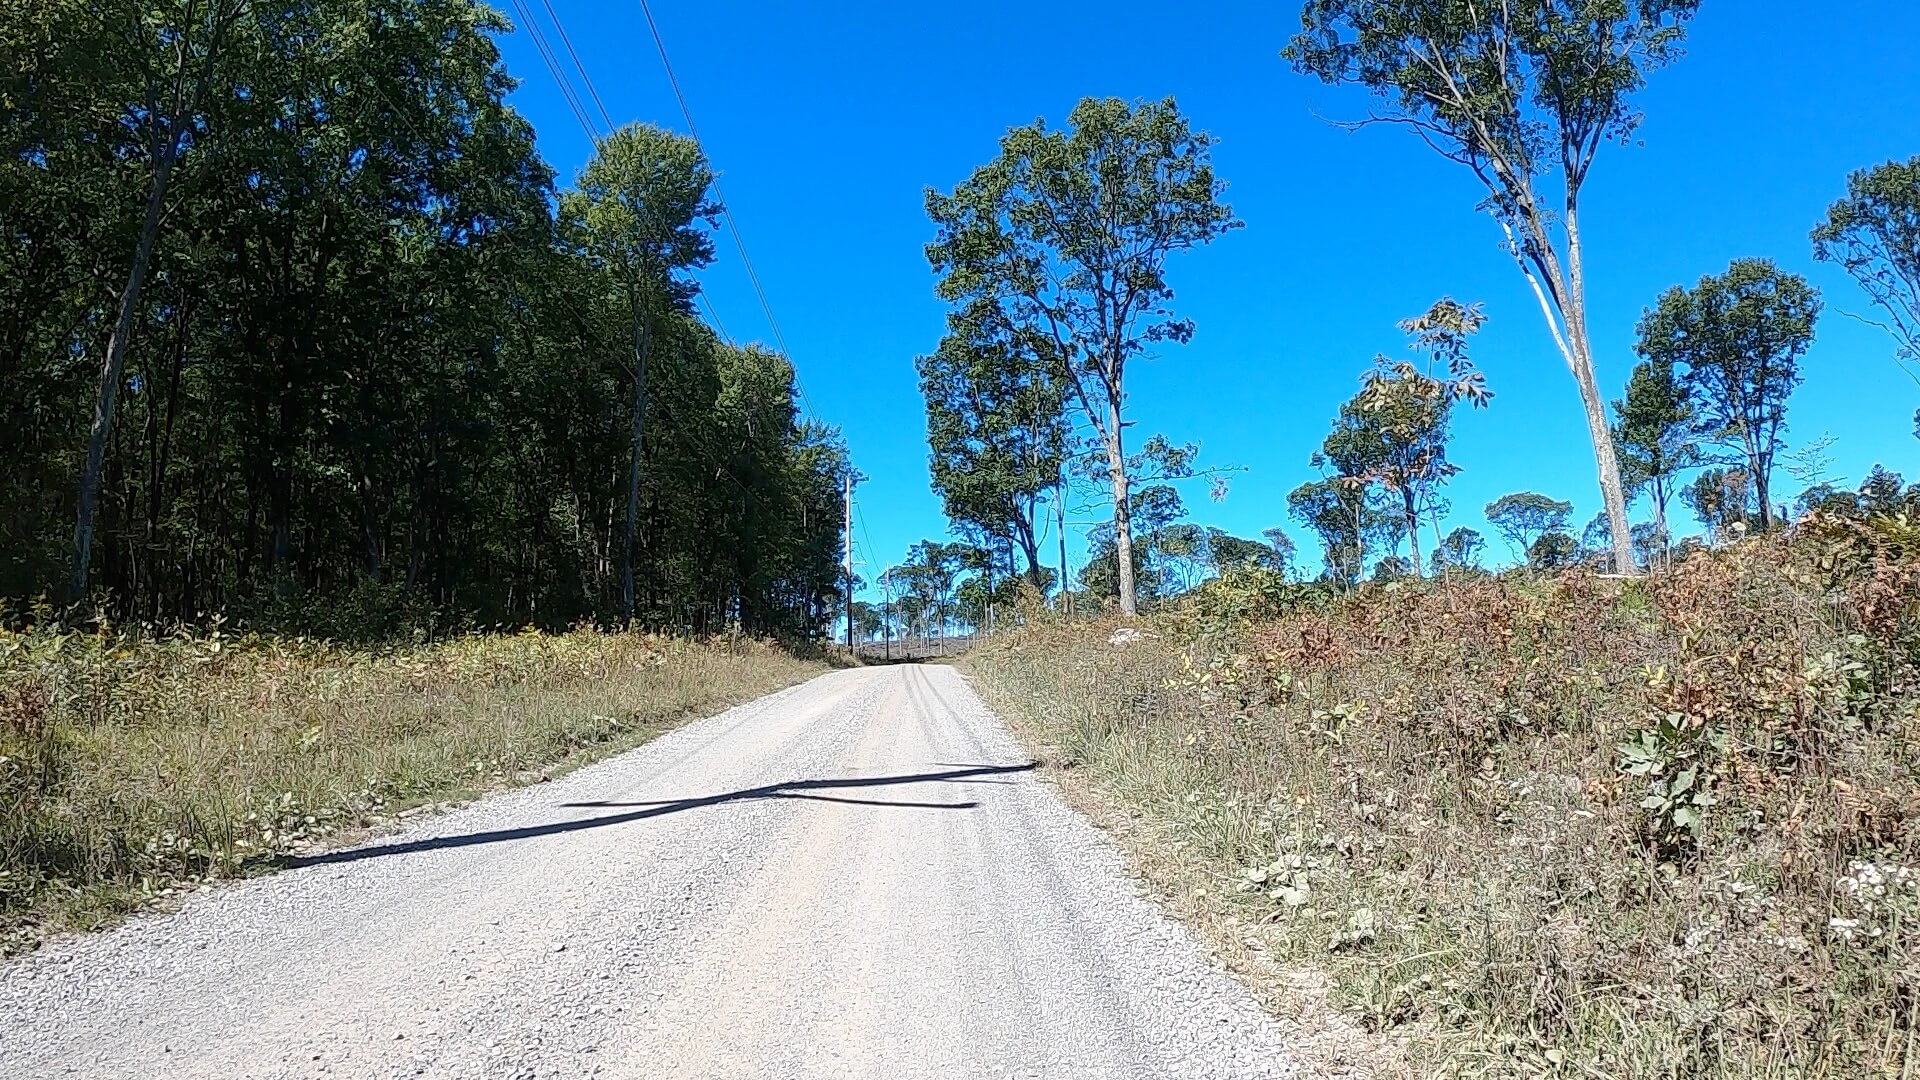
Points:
[134,768]
[1539,828]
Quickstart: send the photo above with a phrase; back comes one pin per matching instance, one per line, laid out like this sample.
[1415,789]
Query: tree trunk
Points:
[113,372]
[1122,512]
[1029,548]
[1760,490]
[1659,499]
[1580,359]
[640,344]
[1060,511]
[1413,529]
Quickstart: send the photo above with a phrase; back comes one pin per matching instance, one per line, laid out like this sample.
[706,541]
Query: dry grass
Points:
[1552,828]
[134,768]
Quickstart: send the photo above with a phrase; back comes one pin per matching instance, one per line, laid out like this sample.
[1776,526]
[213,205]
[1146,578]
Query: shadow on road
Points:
[795,789]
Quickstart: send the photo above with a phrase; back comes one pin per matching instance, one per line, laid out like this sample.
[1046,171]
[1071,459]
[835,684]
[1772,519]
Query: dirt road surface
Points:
[857,877]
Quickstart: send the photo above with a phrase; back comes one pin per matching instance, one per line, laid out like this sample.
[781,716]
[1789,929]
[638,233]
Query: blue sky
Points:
[827,122]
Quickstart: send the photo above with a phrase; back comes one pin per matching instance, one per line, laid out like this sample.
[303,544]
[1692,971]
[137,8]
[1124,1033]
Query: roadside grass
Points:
[136,768]
[1554,827]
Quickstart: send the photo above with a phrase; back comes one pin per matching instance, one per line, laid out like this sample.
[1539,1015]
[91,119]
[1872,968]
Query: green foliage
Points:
[1655,429]
[1345,520]
[1874,234]
[996,428]
[1739,337]
[1066,234]
[1393,433]
[1527,518]
[636,211]
[1459,551]
[371,366]
[1674,759]
[1721,498]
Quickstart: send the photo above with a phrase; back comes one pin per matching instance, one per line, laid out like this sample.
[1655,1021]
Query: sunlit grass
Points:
[1421,792]
[135,766]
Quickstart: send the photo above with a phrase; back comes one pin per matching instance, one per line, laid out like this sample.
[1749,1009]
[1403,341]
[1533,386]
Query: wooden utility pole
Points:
[849,567]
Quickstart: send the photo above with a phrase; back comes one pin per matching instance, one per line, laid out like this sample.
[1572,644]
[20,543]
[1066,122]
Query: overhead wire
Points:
[578,66]
[554,68]
[733,226]
[550,58]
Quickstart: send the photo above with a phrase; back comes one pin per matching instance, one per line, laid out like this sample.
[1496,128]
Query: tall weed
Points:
[134,766]
[1544,827]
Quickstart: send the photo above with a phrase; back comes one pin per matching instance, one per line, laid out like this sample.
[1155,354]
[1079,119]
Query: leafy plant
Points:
[1671,756]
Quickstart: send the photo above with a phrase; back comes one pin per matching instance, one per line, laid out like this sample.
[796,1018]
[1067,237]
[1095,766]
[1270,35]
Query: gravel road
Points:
[856,877]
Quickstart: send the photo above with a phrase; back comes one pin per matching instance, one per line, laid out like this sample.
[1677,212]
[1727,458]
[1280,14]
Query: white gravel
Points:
[857,877]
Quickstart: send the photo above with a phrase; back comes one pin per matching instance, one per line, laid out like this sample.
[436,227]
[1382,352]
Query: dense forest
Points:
[297,328]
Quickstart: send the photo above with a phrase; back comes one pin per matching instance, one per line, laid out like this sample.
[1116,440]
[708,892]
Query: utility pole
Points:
[849,566]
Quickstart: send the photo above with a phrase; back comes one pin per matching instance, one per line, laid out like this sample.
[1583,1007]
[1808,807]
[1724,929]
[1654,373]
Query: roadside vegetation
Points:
[309,366]
[1539,824]
[135,768]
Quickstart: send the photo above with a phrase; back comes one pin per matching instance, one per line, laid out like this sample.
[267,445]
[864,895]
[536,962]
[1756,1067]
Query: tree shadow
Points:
[794,789]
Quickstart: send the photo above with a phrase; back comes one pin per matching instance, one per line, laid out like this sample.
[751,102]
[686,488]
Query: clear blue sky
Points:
[827,122]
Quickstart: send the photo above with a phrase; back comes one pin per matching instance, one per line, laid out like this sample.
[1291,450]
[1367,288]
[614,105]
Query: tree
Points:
[995,427]
[1740,336]
[1068,233]
[1282,546]
[372,385]
[1874,234]
[178,51]
[1654,427]
[1523,94]
[1721,499]
[1162,545]
[640,199]
[1553,551]
[1525,517]
[1394,432]
[1458,551]
[1346,521]
[1227,552]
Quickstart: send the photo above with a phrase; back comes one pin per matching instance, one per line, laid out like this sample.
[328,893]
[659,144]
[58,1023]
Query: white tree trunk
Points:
[113,373]
[1122,512]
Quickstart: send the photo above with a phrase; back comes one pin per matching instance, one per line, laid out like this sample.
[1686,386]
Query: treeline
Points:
[1053,258]
[295,327]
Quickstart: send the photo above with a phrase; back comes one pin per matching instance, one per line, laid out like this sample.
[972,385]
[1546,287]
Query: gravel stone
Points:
[856,877]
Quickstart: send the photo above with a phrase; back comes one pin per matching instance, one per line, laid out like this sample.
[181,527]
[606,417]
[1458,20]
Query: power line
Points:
[714,317]
[578,66]
[552,61]
[551,58]
[873,551]
[733,226]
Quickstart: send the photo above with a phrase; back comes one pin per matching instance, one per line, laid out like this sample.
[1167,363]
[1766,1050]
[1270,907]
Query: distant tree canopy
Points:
[1721,499]
[370,370]
[1737,338]
[1459,551]
[1527,518]
[1347,523]
[1657,433]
